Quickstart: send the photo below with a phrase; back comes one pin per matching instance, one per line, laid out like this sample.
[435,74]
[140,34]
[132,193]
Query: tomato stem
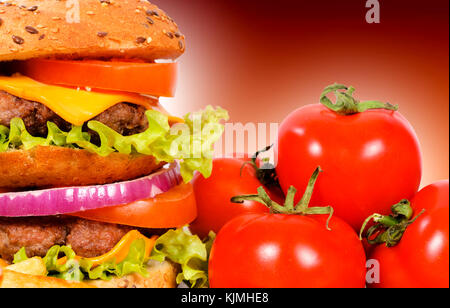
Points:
[290,196]
[302,208]
[306,199]
[389,229]
[346,104]
[266,174]
[263,198]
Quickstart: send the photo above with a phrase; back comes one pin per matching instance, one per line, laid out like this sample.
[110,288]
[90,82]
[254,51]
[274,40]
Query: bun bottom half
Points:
[160,275]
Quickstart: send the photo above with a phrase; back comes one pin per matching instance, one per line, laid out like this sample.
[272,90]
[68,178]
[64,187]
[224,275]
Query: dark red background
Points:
[261,59]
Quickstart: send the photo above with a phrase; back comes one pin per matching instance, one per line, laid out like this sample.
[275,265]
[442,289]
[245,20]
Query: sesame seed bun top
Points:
[73,29]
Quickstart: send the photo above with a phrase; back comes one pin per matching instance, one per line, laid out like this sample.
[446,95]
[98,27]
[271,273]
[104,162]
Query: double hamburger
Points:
[94,173]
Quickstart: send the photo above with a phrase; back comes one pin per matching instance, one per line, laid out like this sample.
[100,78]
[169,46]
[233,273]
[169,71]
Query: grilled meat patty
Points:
[38,234]
[126,119]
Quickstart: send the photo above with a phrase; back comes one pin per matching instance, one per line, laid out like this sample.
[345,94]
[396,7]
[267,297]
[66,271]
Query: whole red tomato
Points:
[371,158]
[286,251]
[421,259]
[294,250]
[229,178]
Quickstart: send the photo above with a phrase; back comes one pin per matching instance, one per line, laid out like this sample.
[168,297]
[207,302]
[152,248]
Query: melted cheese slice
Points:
[121,250]
[74,106]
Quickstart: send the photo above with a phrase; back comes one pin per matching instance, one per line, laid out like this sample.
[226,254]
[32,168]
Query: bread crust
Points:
[160,275]
[17,280]
[52,166]
[106,29]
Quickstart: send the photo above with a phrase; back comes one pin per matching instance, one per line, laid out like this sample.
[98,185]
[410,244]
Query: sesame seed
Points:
[18,40]
[31,30]
[149,40]
[102,34]
[180,44]
[178,34]
[170,34]
[150,21]
[152,13]
[1,21]
[41,37]
[141,40]
[90,13]
[56,18]
[32,8]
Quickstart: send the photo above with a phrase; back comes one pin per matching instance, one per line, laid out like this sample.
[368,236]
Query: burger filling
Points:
[78,250]
[124,118]
[102,121]
[37,235]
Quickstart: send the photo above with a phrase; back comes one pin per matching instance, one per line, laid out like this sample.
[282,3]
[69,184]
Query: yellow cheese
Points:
[121,250]
[76,106]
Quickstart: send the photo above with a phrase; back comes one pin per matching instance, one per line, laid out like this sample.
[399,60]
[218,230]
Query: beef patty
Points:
[38,234]
[126,119]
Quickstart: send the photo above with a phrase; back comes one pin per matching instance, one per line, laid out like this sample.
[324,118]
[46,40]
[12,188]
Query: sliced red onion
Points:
[68,200]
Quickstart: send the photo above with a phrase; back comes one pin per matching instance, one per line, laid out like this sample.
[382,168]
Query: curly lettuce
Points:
[79,269]
[190,143]
[178,246]
[20,256]
[181,247]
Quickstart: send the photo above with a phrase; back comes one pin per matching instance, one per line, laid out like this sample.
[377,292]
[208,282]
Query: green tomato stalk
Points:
[346,104]
[301,208]
[266,174]
[389,229]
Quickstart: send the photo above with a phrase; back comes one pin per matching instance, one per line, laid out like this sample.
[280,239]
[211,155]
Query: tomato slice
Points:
[172,209]
[157,79]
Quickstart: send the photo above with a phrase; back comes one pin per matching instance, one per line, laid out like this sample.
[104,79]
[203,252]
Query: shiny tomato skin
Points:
[421,259]
[156,79]
[286,251]
[214,193]
[371,160]
[172,209]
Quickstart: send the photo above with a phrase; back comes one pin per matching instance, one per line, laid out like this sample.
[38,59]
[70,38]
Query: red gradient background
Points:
[262,59]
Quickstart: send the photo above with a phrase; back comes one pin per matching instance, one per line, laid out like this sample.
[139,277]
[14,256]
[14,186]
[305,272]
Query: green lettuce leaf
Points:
[190,143]
[181,247]
[135,262]
[178,246]
[4,135]
[68,271]
[79,270]
[20,256]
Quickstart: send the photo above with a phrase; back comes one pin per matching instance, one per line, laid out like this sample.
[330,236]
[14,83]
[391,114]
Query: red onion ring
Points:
[68,200]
